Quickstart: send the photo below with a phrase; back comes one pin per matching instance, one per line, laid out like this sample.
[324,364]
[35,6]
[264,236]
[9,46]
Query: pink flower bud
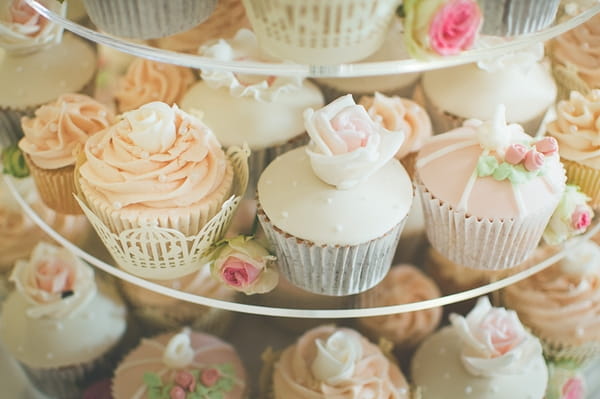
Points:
[534,160]
[581,217]
[209,377]
[547,146]
[573,389]
[515,153]
[238,273]
[184,379]
[177,392]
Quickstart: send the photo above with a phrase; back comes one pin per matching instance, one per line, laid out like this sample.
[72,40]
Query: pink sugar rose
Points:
[534,160]
[54,276]
[515,153]
[547,146]
[501,331]
[209,377]
[22,13]
[177,392]
[185,380]
[581,217]
[454,27]
[351,127]
[573,389]
[238,273]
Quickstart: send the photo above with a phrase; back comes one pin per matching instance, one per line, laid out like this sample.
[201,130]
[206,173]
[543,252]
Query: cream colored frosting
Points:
[259,124]
[41,77]
[60,129]
[403,284]
[363,373]
[168,353]
[577,128]
[23,30]
[580,47]
[400,114]
[157,156]
[299,203]
[74,340]
[146,81]
[562,303]
[481,91]
[438,371]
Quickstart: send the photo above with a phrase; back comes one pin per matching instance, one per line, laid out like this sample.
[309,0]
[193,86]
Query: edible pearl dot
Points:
[294,183]
[162,178]
[176,285]
[494,388]
[468,390]
[59,326]
[145,155]
[579,331]
[339,227]
[53,127]
[102,113]
[571,9]
[117,205]
[284,214]
[403,391]
[329,201]
[585,45]
[573,128]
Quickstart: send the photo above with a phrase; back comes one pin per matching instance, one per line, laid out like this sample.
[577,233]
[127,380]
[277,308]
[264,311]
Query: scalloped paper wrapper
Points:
[332,270]
[516,17]
[480,243]
[587,178]
[148,19]
[55,187]
[331,93]
[151,251]
[443,121]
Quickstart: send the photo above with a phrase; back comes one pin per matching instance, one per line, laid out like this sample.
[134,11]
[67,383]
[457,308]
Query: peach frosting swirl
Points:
[562,302]
[577,128]
[400,114]
[156,156]
[580,47]
[373,375]
[59,129]
[403,284]
[147,80]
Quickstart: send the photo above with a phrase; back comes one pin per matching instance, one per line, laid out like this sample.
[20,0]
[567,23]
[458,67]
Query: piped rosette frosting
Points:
[146,81]
[346,145]
[179,366]
[23,30]
[336,363]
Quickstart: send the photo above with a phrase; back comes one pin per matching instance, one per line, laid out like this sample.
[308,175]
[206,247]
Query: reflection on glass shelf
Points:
[484,48]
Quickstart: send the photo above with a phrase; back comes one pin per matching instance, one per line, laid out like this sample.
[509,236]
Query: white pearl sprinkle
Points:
[176,285]
[469,390]
[145,155]
[102,113]
[53,127]
[117,205]
[294,183]
[339,227]
[329,200]
[494,389]
[571,9]
[284,214]
[573,128]
[585,45]
[579,331]
[162,178]
[403,391]
[59,326]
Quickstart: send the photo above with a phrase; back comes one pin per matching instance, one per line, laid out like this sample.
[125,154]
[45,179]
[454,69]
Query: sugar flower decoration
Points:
[572,216]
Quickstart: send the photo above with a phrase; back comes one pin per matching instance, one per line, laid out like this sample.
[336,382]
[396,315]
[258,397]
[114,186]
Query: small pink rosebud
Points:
[573,389]
[547,146]
[534,160]
[184,379]
[581,217]
[209,377]
[515,153]
[177,392]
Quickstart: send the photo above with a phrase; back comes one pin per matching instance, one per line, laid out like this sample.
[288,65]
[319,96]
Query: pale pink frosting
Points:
[580,47]
[176,162]
[577,128]
[374,375]
[148,80]
[59,129]
[399,114]
[403,284]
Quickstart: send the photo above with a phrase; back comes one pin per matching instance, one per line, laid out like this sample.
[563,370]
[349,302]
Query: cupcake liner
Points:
[320,32]
[516,17]
[55,187]
[331,93]
[491,244]
[260,159]
[587,178]
[148,19]
[332,270]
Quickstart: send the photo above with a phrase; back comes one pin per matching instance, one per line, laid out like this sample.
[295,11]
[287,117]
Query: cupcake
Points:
[488,191]
[487,84]
[565,381]
[181,365]
[53,137]
[511,18]
[338,33]
[575,129]
[45,323]
[330,362]
[268,109]
[146,81]
[147,19]
[576,58]
[334,210]
[159,176]
[403,284]
[158,313]
[571,217]
[560,305]
[487,355]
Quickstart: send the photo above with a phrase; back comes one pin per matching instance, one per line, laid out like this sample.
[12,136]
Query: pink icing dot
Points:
[581,217]
[185,380]
[209,377]
[534,160]
[547,146]
[515,153]
[177,392]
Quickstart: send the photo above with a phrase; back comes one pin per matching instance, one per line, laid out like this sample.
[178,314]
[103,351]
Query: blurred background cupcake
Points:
[565,381]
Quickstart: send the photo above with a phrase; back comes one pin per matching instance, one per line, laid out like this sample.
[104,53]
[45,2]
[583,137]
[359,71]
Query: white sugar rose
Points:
[495,134]
[179,353]
[55,282]
[494,341]
[152,127]
[347,146]
[336,358]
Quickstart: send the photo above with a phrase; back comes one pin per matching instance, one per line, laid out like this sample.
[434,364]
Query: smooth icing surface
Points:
[336,363]
[301,204]
[481,91]
[41,77]
[577,129]
[239,120]
[437,369]
[156,355]
[80,338]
